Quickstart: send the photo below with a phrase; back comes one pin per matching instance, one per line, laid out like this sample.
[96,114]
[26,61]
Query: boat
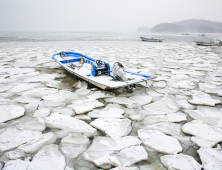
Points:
[151,39]
[185,34]
[213,42]
[203,35]
[99,73]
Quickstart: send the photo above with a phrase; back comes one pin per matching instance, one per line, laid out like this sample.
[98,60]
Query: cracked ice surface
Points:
[186,77]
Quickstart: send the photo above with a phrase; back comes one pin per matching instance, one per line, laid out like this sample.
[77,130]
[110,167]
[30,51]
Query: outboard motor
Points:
[119,72]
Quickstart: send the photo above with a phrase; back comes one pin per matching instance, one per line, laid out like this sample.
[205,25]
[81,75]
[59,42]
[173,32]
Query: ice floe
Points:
[54,100]
[44,112]
[23,87]
[112,126]
[130,103]
[100,94]
[159,142]
[172,129]
[180,162]
[64,111]
[207,115]
[203,135]
[83,106]
[72,124]
[153,166]
[211,158]
[9,112]
[44,78]
[16,164]
[12,138]
[142,100]
[48,158]
[74,144]
[39,92]
[165,105]
[36,144]
[102,149]
[201,98]
[107,112]
[36,124]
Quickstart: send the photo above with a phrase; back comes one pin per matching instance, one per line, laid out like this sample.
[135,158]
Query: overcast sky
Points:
[101,15]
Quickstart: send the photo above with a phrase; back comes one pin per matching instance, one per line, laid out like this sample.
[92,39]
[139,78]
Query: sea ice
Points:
[16,165]
[36,124]
[125,168]
[83,106]
[172,129]
[82,92]
[68,95]
[205,86]
[72,124]
[37,143]
[54,100]
[15,71]
[201,98]
[165,105]
[211,117]
[100,94]
[83,117]
[25,99]
[211,158]
[64,111]
[43,78]
[153,166]
[40,92]
[23,87]
[160,84]
[61,133]
[142,100]
[125,157]
[167,117]
[44,112]
[180,162]
[122,100]
[112,126]
[103,147]
[48,158]
[74,144]
[159,142]
[200,130]
[12,138]
[107,112]
[184,104]
[9,112]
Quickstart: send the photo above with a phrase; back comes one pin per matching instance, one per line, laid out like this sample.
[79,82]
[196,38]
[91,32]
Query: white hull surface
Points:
[84,72]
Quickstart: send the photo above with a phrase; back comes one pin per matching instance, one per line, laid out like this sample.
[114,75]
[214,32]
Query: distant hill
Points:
[191,26]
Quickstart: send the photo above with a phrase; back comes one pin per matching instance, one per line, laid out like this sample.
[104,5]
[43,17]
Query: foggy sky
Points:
[101,15]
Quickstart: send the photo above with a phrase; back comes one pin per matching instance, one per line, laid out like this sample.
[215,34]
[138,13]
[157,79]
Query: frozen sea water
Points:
[72,125]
